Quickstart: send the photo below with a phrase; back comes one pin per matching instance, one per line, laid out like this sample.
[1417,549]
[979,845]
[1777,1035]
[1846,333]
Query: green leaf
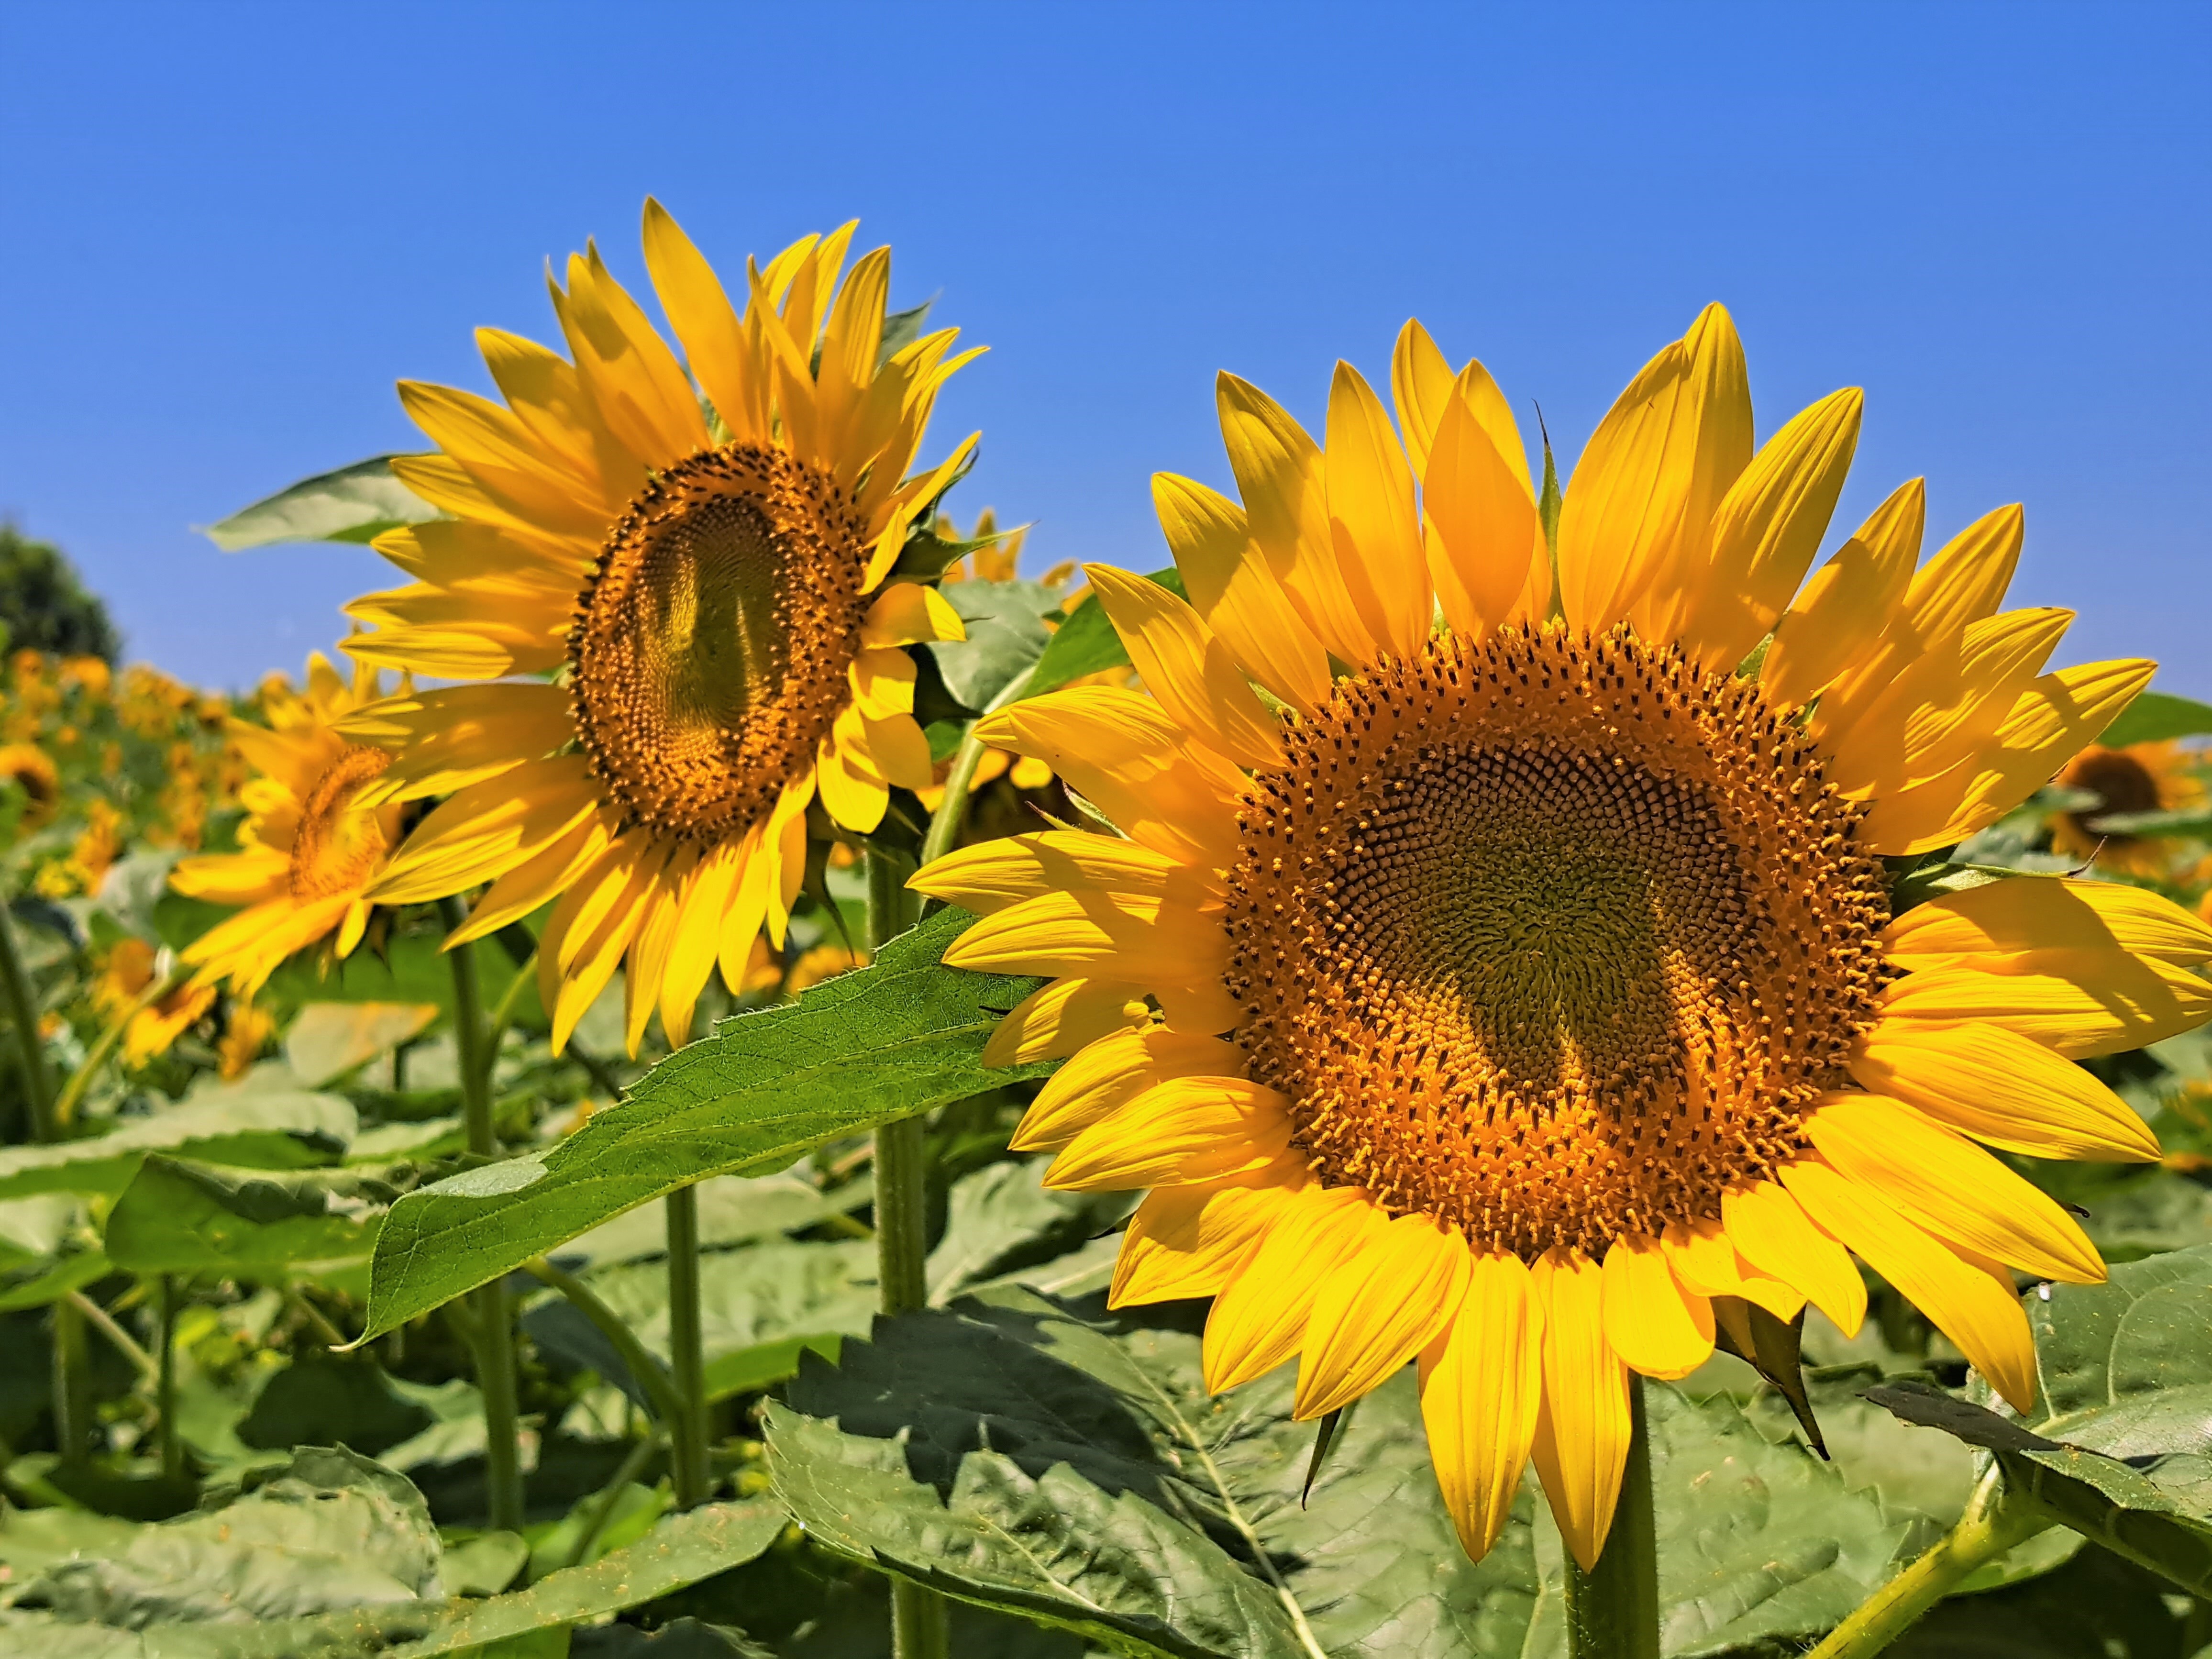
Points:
[732,1210]
[1016,1452]
[900,1036]
[355,503]
[759,1309]
[1006,634]
[2187,821]
[2154,716]
[1928,880]
[1003,1217]
[336,1530]
[179,1218]
[261,1121]
[340,1397]
[1086,642]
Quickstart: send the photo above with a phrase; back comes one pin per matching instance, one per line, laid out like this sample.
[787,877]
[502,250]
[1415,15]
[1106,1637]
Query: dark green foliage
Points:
[44,606]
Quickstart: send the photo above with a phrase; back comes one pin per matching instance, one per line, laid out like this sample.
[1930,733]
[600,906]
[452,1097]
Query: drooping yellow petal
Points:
[1708,1265]
[1186,668]
[1120,751]
[1259,1320]
[991,875]
[1281,476]
[1581,1444]
[2078,1003]
[1232,587]
[1378,1309]
[1185,1129]
[1057,1018]
[1654,1323]
[2034,913]
[1480,1397]
[2001,1088]
[1974,1307]
[1373,524]
[697,946]
[1113,1070]
[1188,1241]
[1772,1232]
[1951,1186]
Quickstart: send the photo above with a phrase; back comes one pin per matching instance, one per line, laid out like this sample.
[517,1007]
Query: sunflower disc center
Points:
[336,848]
[1552,939]
[709,651]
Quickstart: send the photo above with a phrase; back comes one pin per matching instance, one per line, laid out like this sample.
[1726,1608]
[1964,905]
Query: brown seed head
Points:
[336,845]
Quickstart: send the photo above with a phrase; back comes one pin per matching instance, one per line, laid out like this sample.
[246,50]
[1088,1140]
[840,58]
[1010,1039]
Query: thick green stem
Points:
[919,1627]
[124,1343]
[23,1011]
[687,1350]
[1612,1610]
[1992,1525]
[494,1343]
[165,1384]
[503,1015]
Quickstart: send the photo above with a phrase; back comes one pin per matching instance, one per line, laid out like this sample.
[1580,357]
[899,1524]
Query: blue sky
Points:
[230,227]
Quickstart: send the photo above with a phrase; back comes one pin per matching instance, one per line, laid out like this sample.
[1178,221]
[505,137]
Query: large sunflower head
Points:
[671,579]
[311,846]
[1498,967]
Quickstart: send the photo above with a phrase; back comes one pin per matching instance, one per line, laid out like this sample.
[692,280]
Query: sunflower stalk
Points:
[495,1342]
[1612,1610]
[1994,1522]
[23,1011]
[687,1351]
[918,1626]
[165,1383]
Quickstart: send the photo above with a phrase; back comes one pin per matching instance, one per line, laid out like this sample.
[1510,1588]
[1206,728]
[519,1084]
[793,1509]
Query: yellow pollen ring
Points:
[709,650]
[336,845]
[1552,939]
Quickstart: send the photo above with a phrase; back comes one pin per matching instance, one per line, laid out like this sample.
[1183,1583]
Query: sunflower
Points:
[309,847]
[31,769]
[2143,777]
[122,991]
[1517,991]
[704,573]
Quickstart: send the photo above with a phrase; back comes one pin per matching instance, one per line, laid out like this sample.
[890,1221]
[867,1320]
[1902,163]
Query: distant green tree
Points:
[43,605]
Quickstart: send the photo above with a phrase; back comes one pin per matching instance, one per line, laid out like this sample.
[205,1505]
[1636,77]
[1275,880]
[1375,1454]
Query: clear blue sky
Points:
[229,229]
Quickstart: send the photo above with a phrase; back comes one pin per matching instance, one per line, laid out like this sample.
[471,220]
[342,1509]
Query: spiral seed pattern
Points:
[709,653]
[1549,937]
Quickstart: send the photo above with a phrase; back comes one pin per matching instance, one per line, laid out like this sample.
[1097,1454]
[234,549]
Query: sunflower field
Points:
[1496,1059]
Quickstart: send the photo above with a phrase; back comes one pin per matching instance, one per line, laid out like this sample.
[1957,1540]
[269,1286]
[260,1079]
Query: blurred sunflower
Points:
[1519,993]
[127,977]
[309,849]
[2143,777]
[31,769]
[707,571]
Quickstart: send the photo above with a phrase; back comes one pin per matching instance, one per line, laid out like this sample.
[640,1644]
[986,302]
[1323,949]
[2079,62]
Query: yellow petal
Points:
[2079,1003]
[545,875]
[1840,618]
[1974,1307]
[1376,1310]
[697,942]
[703,318]
[488,829]
[1134,941]
[883,682]
[1707,1265]
[1653,1323]
[1188,1240]
[1581,1444]
[1120,751]
[1373,527]
[1114,1069]
[991,875]
[1774,1234]
[2030,913]
[1187,668]
[1281,476]
[1480,1397]
[2002,1088]
[1186,1129]
[1768,526]
[1486,532]
[1056,1019]
[1259,1319]
[908,613]
[1420,383]
[1951,1186]
[1233,589]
